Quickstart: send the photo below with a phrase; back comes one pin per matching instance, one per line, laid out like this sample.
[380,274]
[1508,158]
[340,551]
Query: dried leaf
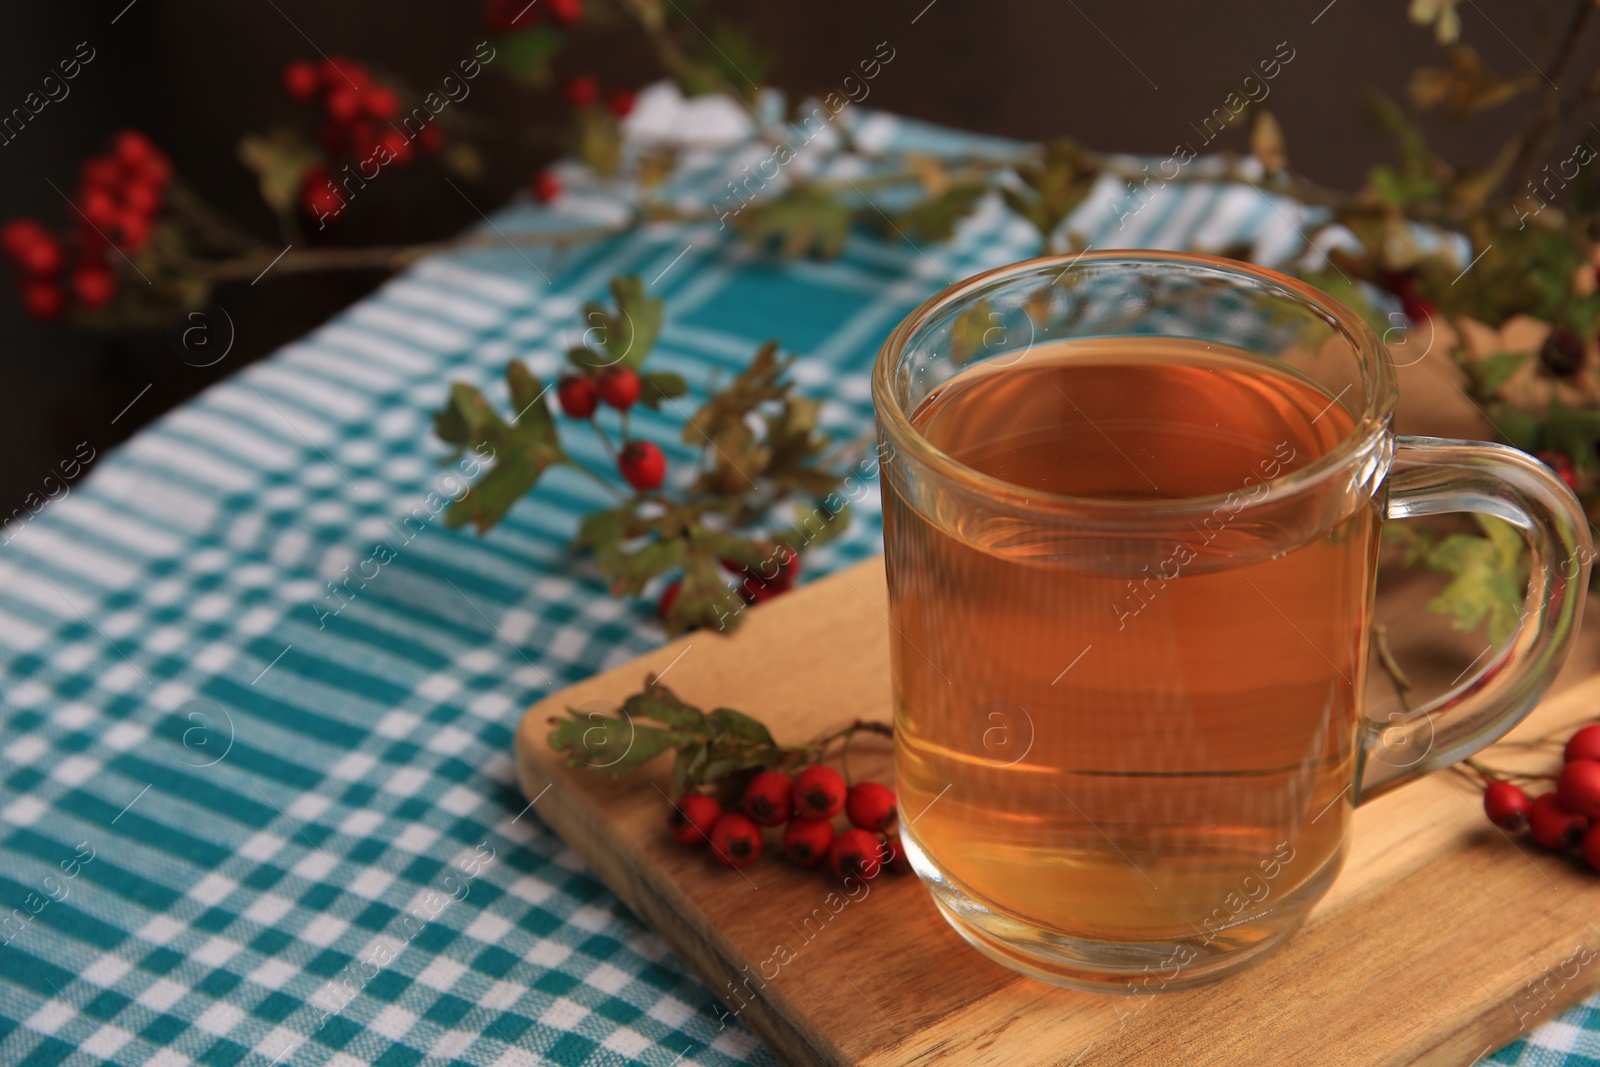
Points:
[1266,142]
[280,161]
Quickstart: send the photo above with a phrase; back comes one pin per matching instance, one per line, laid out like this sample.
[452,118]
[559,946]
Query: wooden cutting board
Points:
[1441,941]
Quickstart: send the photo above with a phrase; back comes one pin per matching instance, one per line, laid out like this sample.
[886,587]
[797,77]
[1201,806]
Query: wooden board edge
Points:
[657,902]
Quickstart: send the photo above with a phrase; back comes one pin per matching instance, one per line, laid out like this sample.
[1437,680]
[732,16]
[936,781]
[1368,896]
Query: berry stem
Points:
[605,438]
[1402,684]
[595,476]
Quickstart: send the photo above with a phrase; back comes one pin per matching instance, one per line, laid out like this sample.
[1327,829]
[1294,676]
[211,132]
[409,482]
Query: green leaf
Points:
[658,702]
[280,161]
[969,330]
[1056,184]
[630,572]
[1574,432]
[526,54]
[1489,577]
[705,598]
[1493,371]
[522,450]
[935,218]
[1521,429]
[616,744]
[804,219]
[817,527]
[728,723]
[657,386]
[603,532]
[630,334]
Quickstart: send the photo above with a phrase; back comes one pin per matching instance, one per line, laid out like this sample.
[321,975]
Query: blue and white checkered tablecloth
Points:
[236,829]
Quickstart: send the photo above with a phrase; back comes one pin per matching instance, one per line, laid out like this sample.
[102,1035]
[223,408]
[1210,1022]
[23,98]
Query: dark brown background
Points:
[196,74]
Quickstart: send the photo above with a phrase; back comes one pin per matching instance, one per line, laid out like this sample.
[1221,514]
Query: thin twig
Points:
[1534,138]
[1402,684]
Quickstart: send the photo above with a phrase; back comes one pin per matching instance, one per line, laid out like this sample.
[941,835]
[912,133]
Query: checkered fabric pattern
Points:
[238,826]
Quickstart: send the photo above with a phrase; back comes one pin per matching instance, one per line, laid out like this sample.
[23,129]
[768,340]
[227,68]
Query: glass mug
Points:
[1132,505]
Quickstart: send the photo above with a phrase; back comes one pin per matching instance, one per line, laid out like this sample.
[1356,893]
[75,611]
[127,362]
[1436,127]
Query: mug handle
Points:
[1431,476]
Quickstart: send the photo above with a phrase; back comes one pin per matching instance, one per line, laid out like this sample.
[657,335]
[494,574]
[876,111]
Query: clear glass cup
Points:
[1128,679]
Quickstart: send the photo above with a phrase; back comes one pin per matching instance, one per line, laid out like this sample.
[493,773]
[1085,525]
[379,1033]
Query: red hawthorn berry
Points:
[807,841]
[565,12]
[93,285]
[669,597]
[736,840]
[1591,848]
[1562,353]
[17,235]
[398,144]
[431,139]
[1558,462]
[139,196]
[870,806]
[819,792]
[133,230]
[156,169]
[788,567]
[894,856]
[318,196]
[504,16]
[1506,805]
[381,103]
[856,854]
[301,80]
[643,465]
[131,148]
[582,90]
[1418,309]
[1578,788]
[620,102]
[1552,825]
[343,104]
[43,300]
[579,396]
[1585,744]
[768,798]
[41,257]
[691,819]
[99,207]
[100,171]
[619,387]
[546,187]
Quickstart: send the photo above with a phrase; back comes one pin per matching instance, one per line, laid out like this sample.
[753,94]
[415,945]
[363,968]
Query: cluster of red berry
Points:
[641,463]
[119,194]
[359,127]
[509,16]
[583,93]
[1566,818]
[805,806]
